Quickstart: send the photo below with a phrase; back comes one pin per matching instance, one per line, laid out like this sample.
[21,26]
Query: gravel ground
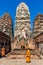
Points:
[6,61]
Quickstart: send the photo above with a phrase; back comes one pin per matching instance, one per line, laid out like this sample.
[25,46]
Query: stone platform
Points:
[21,54]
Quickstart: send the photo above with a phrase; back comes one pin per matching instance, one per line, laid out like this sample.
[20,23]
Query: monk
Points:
[3,51]
[28,55]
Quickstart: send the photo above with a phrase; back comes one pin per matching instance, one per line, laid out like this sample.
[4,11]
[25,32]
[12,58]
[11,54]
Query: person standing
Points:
[28,55]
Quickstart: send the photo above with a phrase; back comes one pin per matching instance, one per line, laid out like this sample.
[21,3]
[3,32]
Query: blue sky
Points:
[35,7]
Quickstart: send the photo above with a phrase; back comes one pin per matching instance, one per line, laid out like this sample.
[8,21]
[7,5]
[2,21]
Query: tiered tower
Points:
[38,25]
[22,25]
[6,24]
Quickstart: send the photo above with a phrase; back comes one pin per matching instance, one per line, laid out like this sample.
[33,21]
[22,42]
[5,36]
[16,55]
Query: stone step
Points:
[21,54]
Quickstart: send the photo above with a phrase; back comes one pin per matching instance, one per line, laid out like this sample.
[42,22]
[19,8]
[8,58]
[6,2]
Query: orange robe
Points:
[3,51]
[28,56]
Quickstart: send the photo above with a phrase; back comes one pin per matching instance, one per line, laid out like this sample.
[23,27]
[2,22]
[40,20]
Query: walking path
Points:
[6,61]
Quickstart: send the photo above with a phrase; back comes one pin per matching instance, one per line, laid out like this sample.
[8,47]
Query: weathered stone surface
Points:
[38,25]
[22,26]
[6,24]
[39,43]
[31,43]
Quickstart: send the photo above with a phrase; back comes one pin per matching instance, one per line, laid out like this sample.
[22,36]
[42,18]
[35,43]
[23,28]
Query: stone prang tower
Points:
[22,21]
[6,24]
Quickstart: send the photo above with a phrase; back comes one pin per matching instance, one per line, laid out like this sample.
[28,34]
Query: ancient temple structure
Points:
[38,32]
[38,24]
[22,22]
[22,29]
[6,24]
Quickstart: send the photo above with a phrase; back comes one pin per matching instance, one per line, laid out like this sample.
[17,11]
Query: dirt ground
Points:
[6,61]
